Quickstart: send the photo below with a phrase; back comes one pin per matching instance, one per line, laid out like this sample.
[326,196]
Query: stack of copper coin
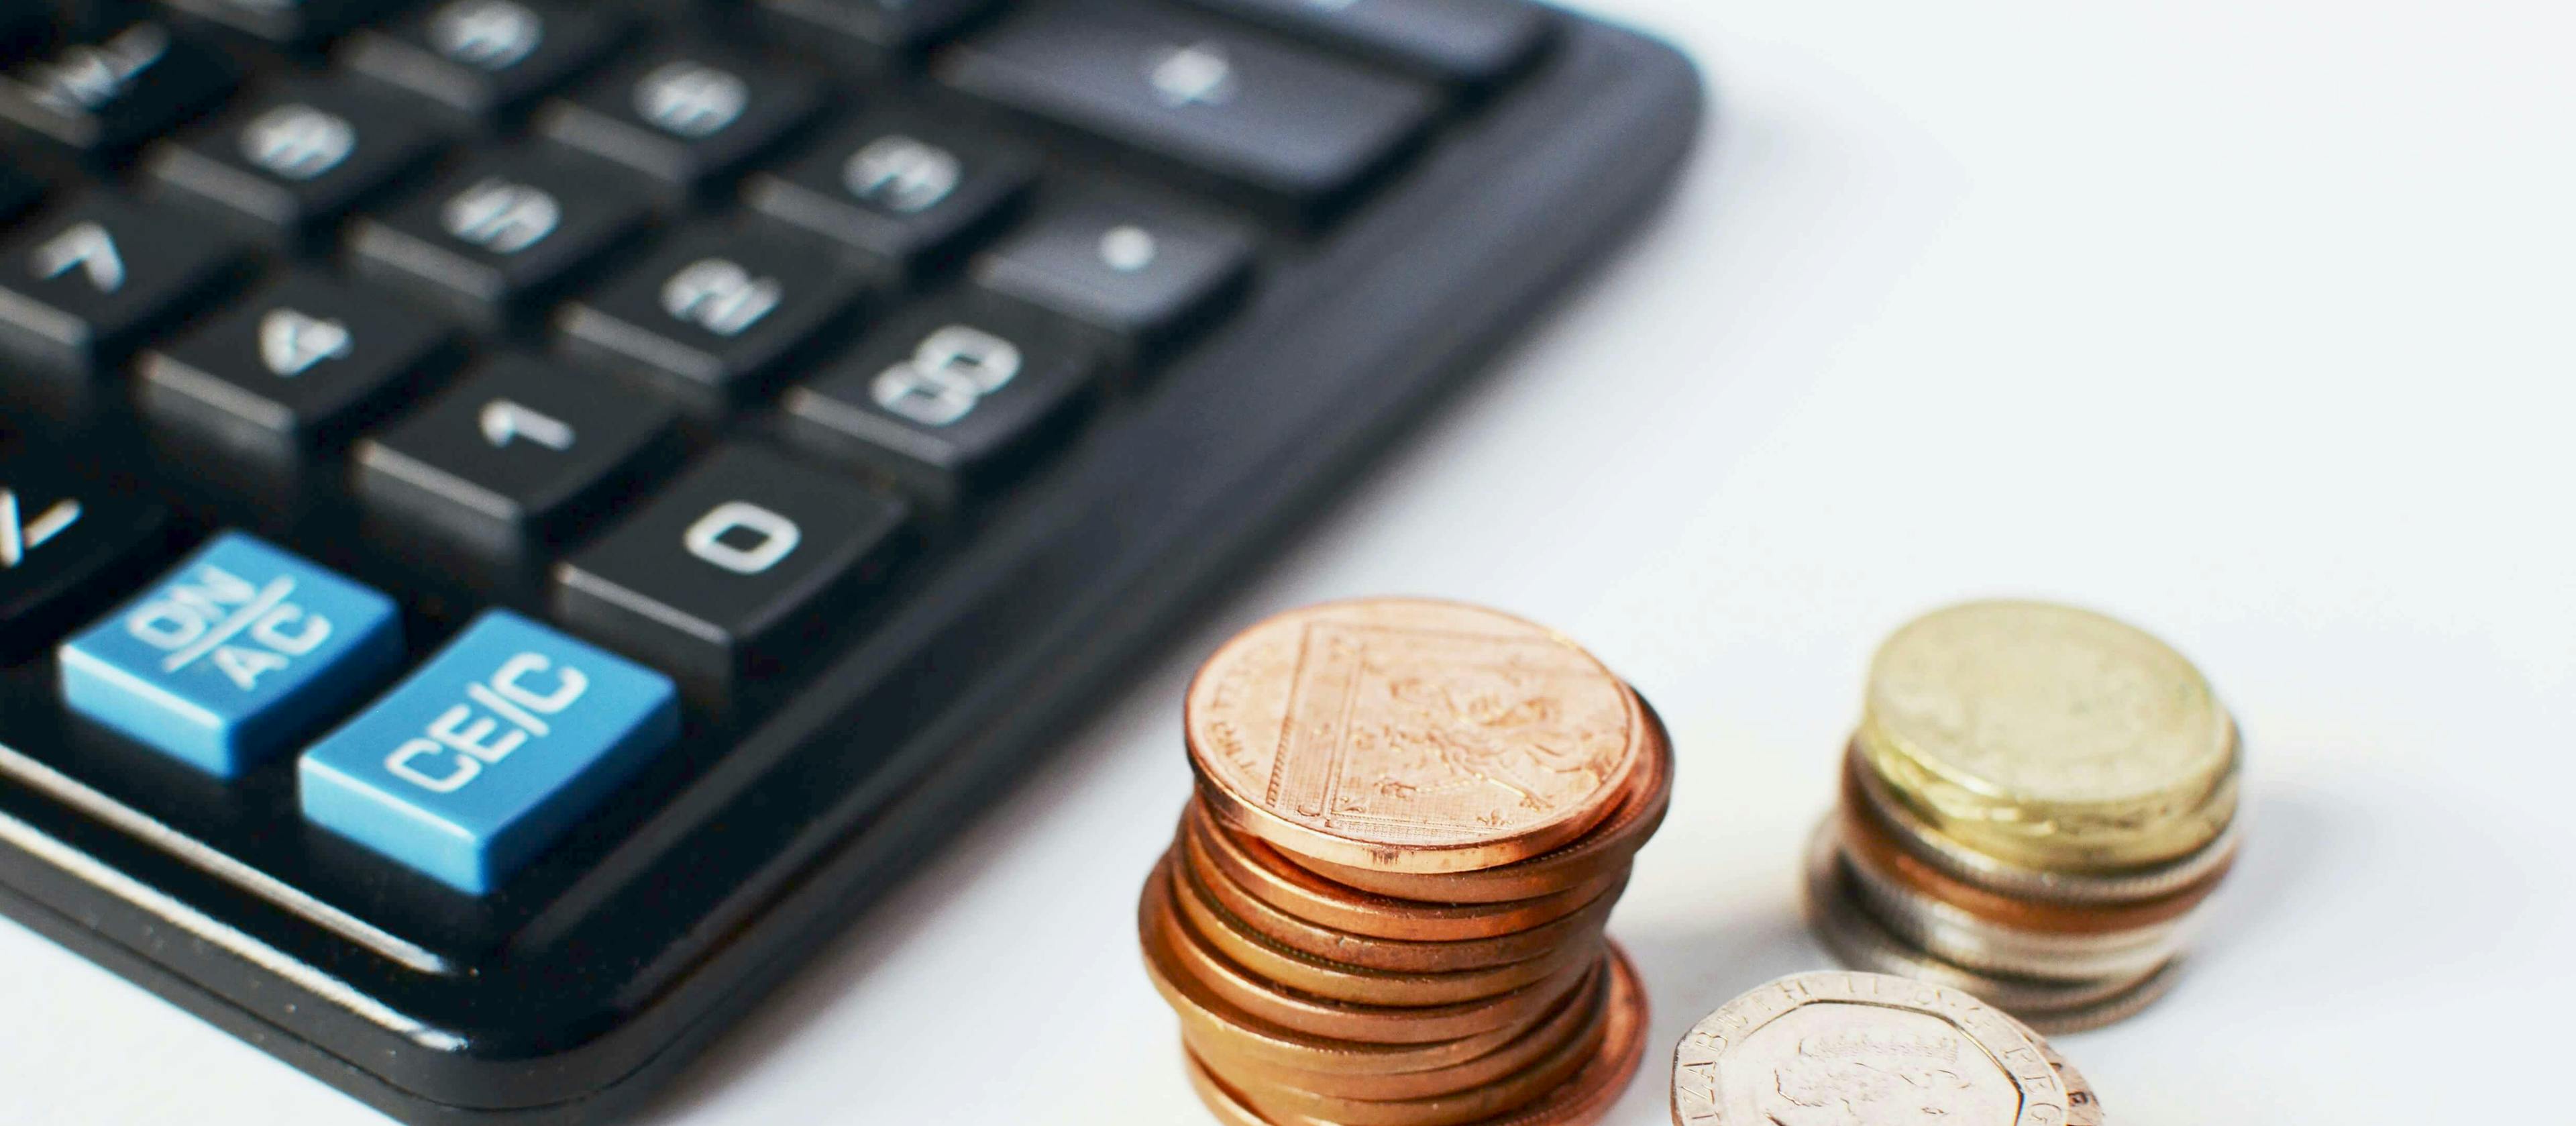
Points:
[2036,806]
[1862,1049]
[1385,905]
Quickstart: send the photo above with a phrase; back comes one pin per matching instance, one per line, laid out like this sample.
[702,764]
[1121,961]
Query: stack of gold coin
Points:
[1864,1049]
[1385,904]
[2037,804]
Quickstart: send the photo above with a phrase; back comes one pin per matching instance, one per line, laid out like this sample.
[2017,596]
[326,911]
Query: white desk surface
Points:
[2247,320]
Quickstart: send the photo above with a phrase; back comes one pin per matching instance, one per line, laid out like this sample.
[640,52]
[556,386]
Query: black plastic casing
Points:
[578,991]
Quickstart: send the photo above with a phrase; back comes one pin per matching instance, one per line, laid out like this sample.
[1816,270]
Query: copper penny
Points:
[1228,937]
[1209,1017]
[1398,955]
[1269,1001]
[1606,848]
[1570,1016]
[1407,735]
[1500,1096]
[1259,869]
[1580,1100]
[1866,835]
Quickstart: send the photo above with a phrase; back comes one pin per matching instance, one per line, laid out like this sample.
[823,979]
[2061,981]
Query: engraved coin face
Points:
[1406,735]
[1855,1049]
[2042,703]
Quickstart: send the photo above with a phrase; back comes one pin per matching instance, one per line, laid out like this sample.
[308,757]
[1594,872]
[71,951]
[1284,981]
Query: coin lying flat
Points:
[2049,736]
[1861,1049]
[1570,1016]
[1582,1098]
[1866,800]
[1411,736]
[1860,939]
[1267,1001]
[1607,847]
[1208,924]
[1260,870]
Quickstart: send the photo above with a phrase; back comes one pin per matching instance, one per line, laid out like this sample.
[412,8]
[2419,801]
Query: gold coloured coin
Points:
[1926,843]
[1273,1003]
[1407,735]
[1872,849]
[1581,1100]
[1261,871]
[1862,1048]
[1229,937]
[1563,1022]
[2049,735]
[1608,847]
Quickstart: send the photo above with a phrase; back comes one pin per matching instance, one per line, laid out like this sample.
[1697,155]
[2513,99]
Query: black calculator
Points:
[518,518]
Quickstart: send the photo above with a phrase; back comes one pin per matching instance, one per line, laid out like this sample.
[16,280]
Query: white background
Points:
[2247,320]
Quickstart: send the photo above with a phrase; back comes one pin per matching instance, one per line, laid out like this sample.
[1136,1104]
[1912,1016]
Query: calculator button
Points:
[1469,42]
[948,397]
[895,190]
[684,116]
[101,98]
[481,760]
[82,283]
[293,161]
[484,59]
[721,573]
[291,24]
[512,454]
[1141,274]
[61,538]
[306,360]
[711,312]
[233,656]
[868,25]
[502,234]
[1292,124]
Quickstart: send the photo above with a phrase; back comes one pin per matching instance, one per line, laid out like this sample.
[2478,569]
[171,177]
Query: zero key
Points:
[61,538]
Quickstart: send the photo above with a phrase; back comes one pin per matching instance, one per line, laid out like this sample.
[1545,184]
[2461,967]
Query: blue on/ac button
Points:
[479,761]
[233,656]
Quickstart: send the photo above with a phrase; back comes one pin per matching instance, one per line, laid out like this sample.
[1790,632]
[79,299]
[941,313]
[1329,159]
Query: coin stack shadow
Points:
[1944,863]
[1315,992]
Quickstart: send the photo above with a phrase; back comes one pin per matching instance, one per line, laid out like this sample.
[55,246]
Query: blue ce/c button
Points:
[236,654]
[474,765]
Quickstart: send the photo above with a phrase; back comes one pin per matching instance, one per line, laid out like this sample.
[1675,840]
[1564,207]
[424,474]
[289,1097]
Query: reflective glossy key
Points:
[712,313]
[1298,126]
[514,454]
[948,397]
[479,61]
[899,191]
[1470,42]
[100,98]
[500,235]
[485,756]
[81,284]
[288,163]
[233,656]
[1142,275]
[307,360]
[729,566]
[684,116]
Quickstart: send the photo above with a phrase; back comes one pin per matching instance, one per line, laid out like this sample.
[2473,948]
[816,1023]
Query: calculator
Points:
[519,518]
